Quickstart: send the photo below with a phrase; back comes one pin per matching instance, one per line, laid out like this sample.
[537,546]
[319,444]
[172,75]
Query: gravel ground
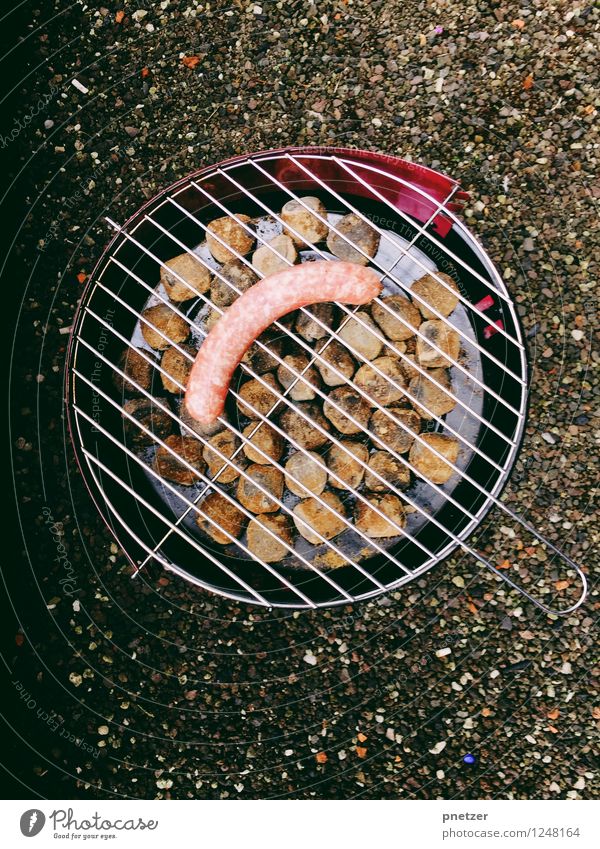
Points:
[151,689]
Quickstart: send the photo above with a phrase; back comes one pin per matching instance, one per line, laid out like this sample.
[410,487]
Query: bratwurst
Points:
[258,307]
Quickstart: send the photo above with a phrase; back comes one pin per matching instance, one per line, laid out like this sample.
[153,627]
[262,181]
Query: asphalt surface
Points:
[153,689]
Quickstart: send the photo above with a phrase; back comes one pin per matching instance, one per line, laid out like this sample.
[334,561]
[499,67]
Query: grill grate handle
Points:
[560,554]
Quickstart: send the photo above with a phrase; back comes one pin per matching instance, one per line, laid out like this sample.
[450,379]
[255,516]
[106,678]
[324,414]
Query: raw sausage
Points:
[267,301]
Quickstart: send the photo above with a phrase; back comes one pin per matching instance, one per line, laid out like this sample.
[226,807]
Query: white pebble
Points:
[440,774]
[310,658]
[443,652]
[494,673]
[376,122]
[139,15]
[580,783]
[76,605]
[458,581]
[554,788]
[390,734]
[549,438]
[566,668]
[577,335]
[103,730]
[439,747]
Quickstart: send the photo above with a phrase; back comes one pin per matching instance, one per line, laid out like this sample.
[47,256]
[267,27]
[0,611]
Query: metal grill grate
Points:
[489,388]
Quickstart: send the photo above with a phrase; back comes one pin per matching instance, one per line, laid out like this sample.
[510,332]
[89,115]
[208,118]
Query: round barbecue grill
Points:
[413,211]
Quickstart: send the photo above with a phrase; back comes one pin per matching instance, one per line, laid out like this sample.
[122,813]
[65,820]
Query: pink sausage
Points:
[256,309]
